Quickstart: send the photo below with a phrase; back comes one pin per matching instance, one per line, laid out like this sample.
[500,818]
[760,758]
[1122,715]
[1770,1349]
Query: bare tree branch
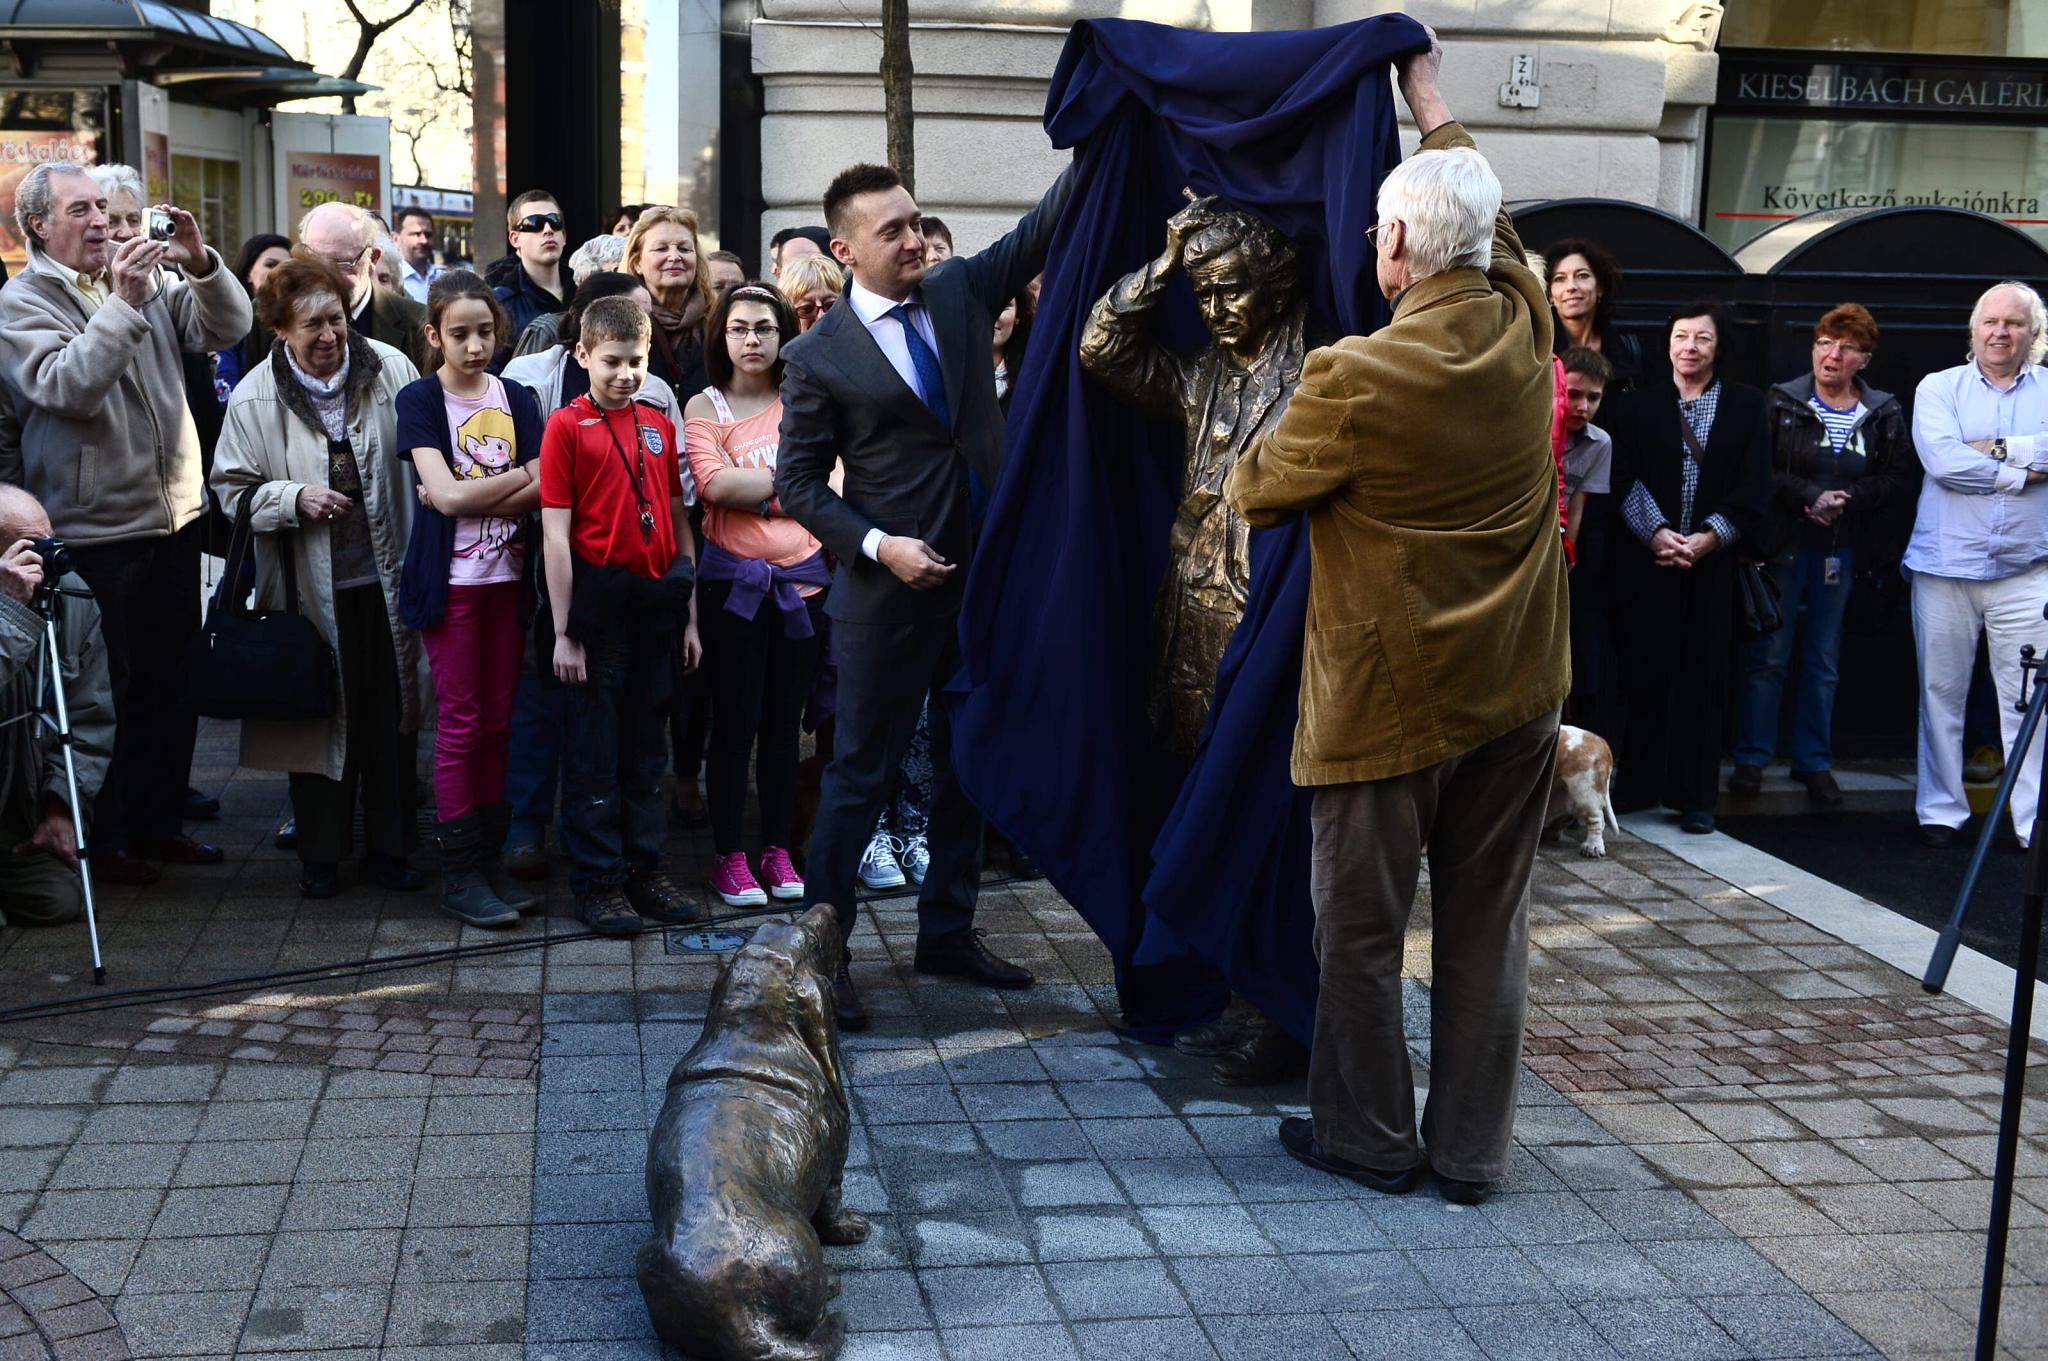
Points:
[368,31]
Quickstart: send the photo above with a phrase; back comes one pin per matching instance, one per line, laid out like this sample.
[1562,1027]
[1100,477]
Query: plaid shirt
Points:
[1640,509]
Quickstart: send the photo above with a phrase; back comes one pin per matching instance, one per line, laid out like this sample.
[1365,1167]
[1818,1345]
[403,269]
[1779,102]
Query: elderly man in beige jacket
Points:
[1435,668]
[91,343]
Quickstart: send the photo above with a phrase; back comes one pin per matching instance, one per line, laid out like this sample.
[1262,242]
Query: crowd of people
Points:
[533,512]
[157,389]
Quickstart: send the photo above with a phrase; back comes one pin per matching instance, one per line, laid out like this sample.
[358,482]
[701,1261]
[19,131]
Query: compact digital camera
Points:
[161,227]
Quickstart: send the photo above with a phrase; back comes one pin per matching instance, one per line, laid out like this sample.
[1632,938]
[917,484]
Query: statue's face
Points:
[1236,302]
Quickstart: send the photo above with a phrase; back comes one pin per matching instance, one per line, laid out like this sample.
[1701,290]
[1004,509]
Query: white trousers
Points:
[1948,616]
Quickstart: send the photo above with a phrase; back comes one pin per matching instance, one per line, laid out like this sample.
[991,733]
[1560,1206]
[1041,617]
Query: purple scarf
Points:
[756,579]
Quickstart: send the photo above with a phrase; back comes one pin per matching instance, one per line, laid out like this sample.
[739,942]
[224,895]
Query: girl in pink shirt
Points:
[760,592]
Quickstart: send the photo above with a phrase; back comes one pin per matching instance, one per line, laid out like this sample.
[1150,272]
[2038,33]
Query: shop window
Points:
[1763,171]
[1986,28]
[38,126]
[211,190]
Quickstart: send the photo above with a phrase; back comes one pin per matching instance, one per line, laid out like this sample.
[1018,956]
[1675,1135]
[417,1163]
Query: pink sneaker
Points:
[732,881]
[783,883]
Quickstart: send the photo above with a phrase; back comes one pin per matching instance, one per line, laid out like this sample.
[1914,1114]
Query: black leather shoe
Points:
[1211,1038]
[1266,1054]
[962,955]
[1821,789]
[1459,1192]
[846,1002]
[658,898]
[287,838]
[200,807]
[393,874]
[1746,780]
[124,867]
[179,850]
[1937,837]
[319,879]
[1698,822]
[1298,1137]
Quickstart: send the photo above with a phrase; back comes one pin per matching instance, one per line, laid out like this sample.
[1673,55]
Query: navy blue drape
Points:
[1194,875]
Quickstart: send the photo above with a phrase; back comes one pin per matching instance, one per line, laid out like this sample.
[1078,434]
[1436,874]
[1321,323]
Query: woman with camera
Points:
[310,437]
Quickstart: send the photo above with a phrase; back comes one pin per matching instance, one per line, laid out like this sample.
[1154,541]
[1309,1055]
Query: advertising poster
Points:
[21,151]
[316,177]
[156,167]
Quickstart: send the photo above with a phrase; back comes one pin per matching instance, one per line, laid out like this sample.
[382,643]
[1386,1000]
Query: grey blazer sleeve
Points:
[810,445]
[999,273]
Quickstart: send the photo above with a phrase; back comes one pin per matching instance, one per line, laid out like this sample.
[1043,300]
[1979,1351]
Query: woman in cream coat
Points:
[310,431]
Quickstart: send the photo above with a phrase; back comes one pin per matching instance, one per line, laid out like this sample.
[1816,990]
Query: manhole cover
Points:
[705,942]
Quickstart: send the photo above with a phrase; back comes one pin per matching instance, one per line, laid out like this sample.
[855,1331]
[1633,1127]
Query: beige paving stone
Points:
[1764,1212]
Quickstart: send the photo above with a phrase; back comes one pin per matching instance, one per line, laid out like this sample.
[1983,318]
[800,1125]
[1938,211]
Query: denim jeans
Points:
[1803,580]
[533,767]
[613,821]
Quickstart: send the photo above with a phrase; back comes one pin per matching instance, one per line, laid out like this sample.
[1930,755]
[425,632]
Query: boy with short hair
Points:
[619,582]
[1588,452]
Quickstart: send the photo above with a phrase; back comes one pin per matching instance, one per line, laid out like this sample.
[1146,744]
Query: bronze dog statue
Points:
[744,1165]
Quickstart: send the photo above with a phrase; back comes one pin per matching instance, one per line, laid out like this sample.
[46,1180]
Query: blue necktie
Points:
[925,364]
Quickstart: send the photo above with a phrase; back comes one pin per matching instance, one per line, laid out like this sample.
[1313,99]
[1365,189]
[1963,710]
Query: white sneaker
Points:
[878,867]
[916,858]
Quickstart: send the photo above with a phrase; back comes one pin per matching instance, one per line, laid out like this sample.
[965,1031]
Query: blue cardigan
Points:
[423,424]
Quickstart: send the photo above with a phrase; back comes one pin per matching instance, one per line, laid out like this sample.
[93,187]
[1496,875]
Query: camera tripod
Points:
[53,710]
[2034,891]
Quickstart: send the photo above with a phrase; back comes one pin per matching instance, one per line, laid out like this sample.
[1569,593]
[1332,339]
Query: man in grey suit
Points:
[898,383]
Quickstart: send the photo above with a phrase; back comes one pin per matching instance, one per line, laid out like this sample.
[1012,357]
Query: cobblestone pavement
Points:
[1738,1137]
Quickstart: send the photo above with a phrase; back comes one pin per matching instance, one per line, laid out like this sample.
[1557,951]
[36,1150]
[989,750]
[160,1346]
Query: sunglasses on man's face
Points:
[539,222]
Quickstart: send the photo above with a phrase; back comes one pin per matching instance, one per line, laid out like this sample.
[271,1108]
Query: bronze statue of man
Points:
[1246,279]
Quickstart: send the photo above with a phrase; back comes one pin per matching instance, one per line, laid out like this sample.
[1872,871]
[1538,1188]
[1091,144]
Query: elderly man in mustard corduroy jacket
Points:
[1436,664]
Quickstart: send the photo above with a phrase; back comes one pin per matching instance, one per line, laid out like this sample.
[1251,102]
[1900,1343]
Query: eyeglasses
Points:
[352,265]
[811,311]
[767,330]
[539,222]
[1372,233]
[1847,347]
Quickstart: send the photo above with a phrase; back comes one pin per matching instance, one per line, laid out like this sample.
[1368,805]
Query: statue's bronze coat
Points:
[744,1164]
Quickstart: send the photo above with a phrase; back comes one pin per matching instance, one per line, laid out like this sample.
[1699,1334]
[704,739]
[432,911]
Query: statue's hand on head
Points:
[1183,224]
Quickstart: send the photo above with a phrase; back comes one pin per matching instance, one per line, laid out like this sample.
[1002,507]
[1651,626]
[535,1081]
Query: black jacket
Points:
[1880,471]
[1734,476]
[395,320]
[905,472]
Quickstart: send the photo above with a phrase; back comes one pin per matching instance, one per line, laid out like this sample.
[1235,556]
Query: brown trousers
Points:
[1479,815]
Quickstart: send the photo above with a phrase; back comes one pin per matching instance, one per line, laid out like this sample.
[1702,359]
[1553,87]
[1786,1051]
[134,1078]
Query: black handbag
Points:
[247,663]
[1761,608]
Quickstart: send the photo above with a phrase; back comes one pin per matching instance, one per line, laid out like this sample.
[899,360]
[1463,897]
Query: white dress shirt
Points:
[414,284]
[1977,519]
[872,309]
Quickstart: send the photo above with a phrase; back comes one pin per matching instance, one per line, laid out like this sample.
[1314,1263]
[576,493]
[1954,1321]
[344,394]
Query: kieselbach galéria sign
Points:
[1887,86]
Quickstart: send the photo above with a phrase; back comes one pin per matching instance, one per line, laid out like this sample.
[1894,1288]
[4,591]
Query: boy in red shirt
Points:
[619,581]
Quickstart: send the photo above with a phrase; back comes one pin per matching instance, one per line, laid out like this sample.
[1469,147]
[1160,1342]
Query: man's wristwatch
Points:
[1998,448]
[766,508]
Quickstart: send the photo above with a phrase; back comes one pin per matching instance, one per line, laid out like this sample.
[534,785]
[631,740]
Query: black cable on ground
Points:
[86,1003]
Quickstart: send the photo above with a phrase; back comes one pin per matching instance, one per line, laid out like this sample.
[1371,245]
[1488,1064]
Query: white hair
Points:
[34,198]
[1446,202]
[2037,317]
[599,255]
[388,248]
[120,179]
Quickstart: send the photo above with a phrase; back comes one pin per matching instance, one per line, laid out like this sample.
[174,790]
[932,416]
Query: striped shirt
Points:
[1640,510]
[1840,424]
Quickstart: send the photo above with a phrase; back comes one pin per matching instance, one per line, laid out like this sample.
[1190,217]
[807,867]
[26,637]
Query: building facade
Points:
[1608,98]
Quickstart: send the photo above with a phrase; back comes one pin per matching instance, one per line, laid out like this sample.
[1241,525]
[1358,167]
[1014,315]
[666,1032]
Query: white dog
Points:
[1585,767]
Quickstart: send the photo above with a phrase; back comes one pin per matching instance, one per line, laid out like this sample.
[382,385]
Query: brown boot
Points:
[1265,1055]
